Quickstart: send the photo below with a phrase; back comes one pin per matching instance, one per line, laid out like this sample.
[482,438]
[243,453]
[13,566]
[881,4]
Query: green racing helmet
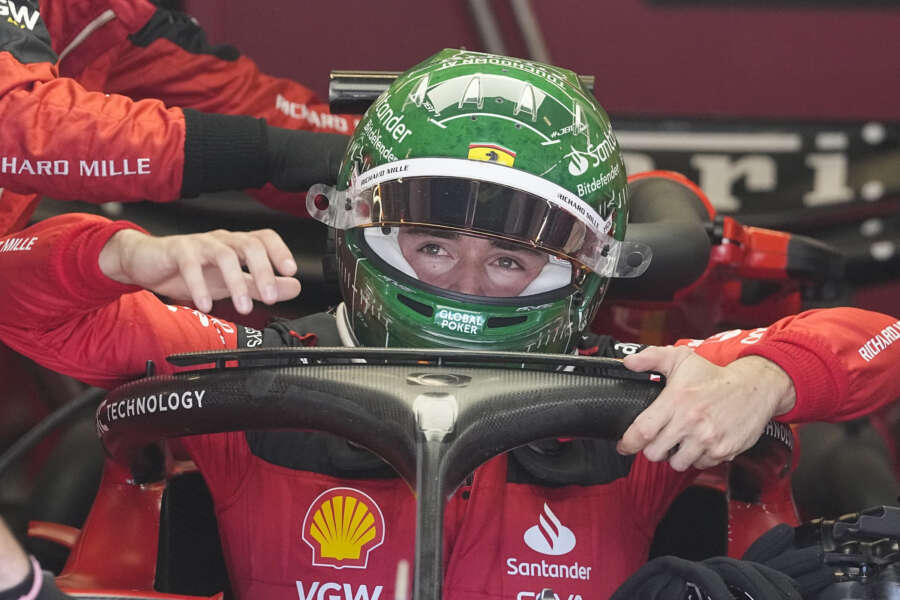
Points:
[481,204]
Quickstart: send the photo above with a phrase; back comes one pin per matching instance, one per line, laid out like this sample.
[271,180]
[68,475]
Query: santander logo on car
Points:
[550,536]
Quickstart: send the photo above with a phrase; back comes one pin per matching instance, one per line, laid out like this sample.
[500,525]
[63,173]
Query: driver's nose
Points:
[467,280]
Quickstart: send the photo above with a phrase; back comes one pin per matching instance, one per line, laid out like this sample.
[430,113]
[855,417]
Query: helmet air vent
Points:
[578,125]
[419,307]
[417,96]
[472,93]
[527,102]
[497,322]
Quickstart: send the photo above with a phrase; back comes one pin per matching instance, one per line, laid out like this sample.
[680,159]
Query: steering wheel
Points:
[434,415]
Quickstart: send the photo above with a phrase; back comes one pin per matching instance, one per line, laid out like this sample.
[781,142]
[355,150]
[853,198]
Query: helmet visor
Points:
[491,200]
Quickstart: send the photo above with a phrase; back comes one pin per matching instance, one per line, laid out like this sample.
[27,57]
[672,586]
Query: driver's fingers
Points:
[225,257]
[686,454]
[253,254]
[707,461]
[647,426]
[279,254]
[285,287]
[190,266]
[668,437]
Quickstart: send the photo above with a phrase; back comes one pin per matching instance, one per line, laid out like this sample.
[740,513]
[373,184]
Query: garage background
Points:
[785,112]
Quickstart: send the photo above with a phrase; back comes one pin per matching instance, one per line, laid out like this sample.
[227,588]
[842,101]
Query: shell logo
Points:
[342,526]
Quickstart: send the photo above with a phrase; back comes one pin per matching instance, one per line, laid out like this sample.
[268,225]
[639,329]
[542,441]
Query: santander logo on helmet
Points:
[550,536]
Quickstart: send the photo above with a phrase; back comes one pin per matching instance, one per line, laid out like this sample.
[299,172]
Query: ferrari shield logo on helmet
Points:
[342,526]
[492,153]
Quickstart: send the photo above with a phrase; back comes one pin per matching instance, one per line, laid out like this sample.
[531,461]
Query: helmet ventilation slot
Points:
[496,322]
[419,307]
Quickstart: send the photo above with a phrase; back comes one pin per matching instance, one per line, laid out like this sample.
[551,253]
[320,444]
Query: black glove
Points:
[806,566]
[720,578]
[753,580]
[234,152]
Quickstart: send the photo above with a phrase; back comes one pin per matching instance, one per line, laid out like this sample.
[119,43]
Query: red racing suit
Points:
[58,308]
[91,99]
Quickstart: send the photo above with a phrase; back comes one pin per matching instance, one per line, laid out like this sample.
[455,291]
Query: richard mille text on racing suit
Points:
[578,519]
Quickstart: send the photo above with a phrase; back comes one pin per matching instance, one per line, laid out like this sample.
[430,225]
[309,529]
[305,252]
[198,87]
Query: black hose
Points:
[671,218]
[89,397]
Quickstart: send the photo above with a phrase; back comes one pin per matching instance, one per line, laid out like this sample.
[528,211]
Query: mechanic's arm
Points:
[84,315]
[66,142]
[825,365]
[14,564]
[73,312]
[171,59]
[20,576]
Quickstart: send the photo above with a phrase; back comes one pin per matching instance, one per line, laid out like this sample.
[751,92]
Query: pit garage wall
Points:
[827,80]
[649,58]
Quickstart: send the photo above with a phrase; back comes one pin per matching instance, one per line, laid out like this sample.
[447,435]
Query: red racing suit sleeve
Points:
[171,59]
[844,363]
[63,141]
[59,309]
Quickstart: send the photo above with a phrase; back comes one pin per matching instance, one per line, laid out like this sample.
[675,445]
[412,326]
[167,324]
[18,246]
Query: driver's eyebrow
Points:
[510,246]
[441,233]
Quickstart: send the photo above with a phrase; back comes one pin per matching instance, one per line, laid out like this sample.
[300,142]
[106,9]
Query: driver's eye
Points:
[505,262]
[431,249]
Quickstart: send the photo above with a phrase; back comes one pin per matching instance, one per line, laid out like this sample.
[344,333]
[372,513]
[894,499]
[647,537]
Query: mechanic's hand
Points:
[298,159]
[204,266]
[706,414]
